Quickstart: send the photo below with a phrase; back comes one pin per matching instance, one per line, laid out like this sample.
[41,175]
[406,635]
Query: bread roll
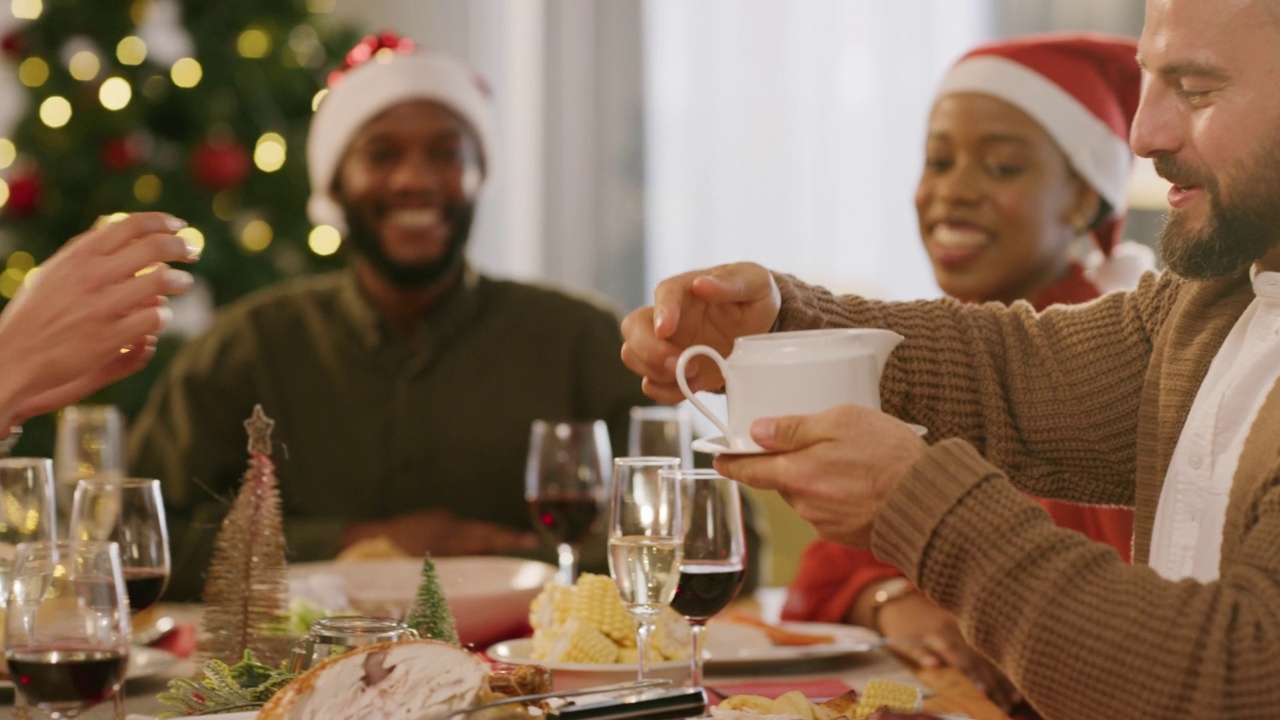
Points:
[406,680]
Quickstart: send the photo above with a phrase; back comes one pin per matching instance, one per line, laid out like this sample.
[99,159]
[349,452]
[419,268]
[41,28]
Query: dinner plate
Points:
[729,645]
[144,662]
[717,445]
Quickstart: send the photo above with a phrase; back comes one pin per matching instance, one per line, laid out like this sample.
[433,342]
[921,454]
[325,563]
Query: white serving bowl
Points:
[489,595]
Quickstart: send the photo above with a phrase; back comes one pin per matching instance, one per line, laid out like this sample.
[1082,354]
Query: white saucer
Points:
[719,446]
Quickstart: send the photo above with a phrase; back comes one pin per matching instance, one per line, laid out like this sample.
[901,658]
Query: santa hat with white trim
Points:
[378,73]
[1083,89]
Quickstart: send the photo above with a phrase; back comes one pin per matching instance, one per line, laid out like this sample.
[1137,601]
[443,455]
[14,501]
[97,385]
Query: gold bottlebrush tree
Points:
[246,591]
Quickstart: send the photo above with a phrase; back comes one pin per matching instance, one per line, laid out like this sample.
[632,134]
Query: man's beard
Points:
[365,241]
[1234,236]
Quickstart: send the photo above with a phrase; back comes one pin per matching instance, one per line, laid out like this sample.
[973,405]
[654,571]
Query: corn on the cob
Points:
[550,609]
[596,603]
[579,643]
[896,696]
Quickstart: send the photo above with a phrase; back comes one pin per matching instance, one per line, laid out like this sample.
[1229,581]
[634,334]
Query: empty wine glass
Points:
[661,430]
[714,559]
[645,536]
[564,485]
[128,511]
[90,443]
[68,626]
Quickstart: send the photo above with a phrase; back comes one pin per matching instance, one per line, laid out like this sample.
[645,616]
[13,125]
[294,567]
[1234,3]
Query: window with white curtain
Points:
[792,134]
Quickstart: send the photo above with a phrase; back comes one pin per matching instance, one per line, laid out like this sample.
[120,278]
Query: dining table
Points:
[947,691]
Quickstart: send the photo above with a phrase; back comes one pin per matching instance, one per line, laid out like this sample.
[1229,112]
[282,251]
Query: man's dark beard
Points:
[365,241]
[1234,237]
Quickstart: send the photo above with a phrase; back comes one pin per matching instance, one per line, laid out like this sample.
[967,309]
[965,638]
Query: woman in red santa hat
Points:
[1026,152]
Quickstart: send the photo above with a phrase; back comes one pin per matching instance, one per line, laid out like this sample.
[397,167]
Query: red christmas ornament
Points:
[24,195]
[219,164]
[120,153]
[14,45]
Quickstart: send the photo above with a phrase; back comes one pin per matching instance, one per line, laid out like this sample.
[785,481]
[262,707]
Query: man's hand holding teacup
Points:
[703,307]
[835,468]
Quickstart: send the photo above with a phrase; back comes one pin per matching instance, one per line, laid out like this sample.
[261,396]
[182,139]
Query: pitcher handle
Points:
[688,354]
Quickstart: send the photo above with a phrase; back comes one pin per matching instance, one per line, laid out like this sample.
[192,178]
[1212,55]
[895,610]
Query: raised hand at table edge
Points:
[702,307]
[64,333]
[836,468]
[439,532]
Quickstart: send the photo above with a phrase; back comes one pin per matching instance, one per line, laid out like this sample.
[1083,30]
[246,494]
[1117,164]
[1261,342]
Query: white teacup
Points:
[793,373]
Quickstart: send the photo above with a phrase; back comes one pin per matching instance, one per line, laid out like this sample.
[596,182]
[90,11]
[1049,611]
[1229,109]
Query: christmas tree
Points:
[430,614]
[195,107]
[246,591]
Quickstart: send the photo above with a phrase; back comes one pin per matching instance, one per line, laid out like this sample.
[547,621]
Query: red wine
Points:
[67,678]
[565,518]
[706,588]
[143,586]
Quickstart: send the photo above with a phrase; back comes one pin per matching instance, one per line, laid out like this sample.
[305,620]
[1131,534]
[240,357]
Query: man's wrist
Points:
[887,593]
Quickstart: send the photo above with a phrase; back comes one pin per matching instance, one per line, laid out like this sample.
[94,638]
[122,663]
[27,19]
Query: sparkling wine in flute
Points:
[67,679]
[706,588]
[645,570]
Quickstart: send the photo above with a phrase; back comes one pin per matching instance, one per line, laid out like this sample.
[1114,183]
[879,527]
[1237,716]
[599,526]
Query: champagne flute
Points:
[714,559]
[68,626]
[661,430]
[564,483]
[130,512]
[90,443]
[26,513]
[645,535]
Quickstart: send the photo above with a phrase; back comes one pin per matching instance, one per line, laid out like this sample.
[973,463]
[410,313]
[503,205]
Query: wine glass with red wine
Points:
[128,511]
[714,559]
[67,640]
[564,485]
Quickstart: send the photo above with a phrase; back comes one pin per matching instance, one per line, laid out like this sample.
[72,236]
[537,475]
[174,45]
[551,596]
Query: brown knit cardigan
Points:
[1082,403]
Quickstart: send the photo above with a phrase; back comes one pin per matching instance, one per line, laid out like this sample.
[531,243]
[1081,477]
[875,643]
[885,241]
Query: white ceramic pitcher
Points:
[793,373]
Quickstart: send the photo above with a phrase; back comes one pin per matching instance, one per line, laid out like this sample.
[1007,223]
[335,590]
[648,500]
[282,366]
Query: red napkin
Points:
[815,689]
[180,641]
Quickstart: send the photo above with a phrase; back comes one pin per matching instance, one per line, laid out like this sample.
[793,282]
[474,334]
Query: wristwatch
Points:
[889,591]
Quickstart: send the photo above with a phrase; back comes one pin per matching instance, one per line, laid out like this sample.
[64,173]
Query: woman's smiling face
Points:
[996,201]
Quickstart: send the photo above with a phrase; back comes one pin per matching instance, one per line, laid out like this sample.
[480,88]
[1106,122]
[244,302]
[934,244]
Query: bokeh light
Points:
[256,236]
[320,6]
[8,152]
[84,65]
[21,260]
[33,72]
[193,237]
[186,72]
[55,111]
[115,93]
[4,192]
[10,281]
[324,240]
[147,189]
[254,43]
[31,9]
[315,101]
[269,153]
[226,205]
[131,50]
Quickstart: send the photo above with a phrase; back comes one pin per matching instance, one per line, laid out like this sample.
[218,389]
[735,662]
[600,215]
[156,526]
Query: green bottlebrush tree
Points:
[195,107]
[430,614]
